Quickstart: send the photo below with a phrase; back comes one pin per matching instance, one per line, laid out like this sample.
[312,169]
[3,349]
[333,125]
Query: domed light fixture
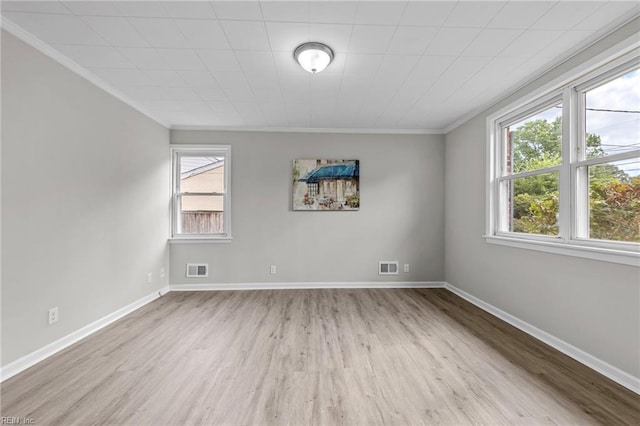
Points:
[313,56]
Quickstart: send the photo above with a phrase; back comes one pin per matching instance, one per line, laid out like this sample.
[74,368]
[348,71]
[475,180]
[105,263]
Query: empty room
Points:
[320,212]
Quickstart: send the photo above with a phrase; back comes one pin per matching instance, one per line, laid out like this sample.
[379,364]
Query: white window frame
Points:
[177,151]
[573,212]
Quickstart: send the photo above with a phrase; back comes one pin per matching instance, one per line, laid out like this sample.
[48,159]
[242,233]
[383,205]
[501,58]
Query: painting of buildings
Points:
[326,185]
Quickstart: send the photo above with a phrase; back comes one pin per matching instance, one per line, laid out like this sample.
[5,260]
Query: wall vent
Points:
[197,270]
[388,268]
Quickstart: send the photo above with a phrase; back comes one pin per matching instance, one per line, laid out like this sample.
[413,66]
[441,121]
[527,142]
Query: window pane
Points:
[535,142]
[614,201]
[201,214]
[533,204]
[612,116]
[202,174]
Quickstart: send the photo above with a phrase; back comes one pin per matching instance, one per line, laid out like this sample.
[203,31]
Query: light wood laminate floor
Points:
[301,357]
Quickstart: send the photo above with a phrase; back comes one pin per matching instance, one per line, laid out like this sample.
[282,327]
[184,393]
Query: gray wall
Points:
[401,215]
[592,305]
[85,189]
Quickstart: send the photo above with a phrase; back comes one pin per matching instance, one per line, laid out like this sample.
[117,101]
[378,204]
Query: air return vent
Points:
[197,270]
[388,268]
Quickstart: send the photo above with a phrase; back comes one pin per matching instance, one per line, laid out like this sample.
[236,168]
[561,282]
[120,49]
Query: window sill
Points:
[624,257]
[200,240]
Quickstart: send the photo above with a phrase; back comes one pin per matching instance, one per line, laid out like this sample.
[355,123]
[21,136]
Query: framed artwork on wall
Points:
[331,185]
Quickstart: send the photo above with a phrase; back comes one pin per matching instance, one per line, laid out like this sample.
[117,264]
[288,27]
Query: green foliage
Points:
[538,139]
[539,215]
[353,201]
[614,200]
[614,209]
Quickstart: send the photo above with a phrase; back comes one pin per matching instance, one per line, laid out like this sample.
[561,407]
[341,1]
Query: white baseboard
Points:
[621,377]
[305,285]
[41,354]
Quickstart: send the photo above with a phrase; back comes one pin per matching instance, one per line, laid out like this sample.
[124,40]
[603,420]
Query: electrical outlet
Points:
[53,315]
[406,267]
[274,269]
[149,278]
[161,273]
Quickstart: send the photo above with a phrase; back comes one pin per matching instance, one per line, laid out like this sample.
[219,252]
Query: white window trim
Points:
[615,252]
[225,237]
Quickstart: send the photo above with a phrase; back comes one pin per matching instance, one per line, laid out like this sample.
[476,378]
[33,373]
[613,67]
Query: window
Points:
[200,199]
[312,189]
[564,167]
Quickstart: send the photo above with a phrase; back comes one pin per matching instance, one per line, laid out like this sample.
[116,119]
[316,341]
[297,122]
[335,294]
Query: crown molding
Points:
[313,130]
[33,41]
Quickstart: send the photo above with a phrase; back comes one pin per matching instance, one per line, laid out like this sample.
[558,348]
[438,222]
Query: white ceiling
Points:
[399,65]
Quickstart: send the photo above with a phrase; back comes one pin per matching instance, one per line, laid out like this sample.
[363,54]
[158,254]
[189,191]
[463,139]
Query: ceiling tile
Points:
[220,106]
[34,6]
[63,29]
[428,69]
[457,74]
[267,94]
[238,10]
[91,8]
[286,36]
[364,66]
[326,84]
[212,94]
[198,79]
[451,41]
[182,94]
[245,35]
[145,58]
[380,12]
[296,97]
[219,60]
[336,36]
[295,83]
[145,93]
[146,9]
[239,93]
[370,39]
[568,42]
[287,65]
[94,56]
[411,40]
[396,68]
[410,64]
[203,34]
[285,11]
[608,13]
[163,106]
[123,77]
[565,15]
[335,12]
[181,59]
[164,78]
[117,31]
[257,62]
[189,9]
[530,42]
[160,32]
[426,13]
[473,14]
[227,79]
[490,42]
[520,14]
[495,72]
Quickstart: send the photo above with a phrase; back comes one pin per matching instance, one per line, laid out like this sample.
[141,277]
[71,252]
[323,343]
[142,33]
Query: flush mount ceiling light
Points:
[313,56]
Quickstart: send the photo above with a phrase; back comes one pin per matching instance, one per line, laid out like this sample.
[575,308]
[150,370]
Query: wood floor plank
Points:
[314,357]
